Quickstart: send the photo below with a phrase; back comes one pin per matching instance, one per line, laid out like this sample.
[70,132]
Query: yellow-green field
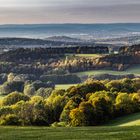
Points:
[64,86]
[85,55]
[89,55]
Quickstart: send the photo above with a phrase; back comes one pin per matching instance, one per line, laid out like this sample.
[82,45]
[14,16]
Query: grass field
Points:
[64,86]
[123,128]
[131,70]
[81,133]
[85,55]
[129,120]
[134,69]
[89,55]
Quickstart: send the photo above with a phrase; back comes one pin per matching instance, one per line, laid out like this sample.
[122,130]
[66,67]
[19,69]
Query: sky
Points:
[69,11]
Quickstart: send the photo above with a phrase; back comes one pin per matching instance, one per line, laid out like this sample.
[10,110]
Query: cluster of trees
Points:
[21,84]
[51,65]
[54,61]
[87,104]
[128,55]
[77,64]
[51,60]
[13,80]
[61,79]
[130,50]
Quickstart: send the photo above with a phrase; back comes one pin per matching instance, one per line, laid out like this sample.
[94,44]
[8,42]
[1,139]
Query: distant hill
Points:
[72,30]
[64,39]
[50,42]
[23,41]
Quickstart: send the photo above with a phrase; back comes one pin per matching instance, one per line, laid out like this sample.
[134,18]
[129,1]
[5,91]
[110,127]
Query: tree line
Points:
[89,104]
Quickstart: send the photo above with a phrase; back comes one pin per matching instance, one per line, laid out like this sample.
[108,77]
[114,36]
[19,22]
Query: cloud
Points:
[69,11]
[65,2]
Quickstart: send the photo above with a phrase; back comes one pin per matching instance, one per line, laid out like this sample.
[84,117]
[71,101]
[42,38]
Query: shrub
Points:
[124,104]
[14,98]
[10,119]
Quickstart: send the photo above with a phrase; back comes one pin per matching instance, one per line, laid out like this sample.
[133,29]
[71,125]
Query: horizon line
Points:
[69,23]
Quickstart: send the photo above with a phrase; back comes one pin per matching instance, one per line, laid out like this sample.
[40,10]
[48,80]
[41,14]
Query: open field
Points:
[89,55]
[131,70]
[64,86]
[129,120]
[80,133]
[123,128]
[134,69]
[86,55]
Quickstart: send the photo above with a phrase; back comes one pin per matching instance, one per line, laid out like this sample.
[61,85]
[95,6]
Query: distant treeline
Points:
[30,41]
[128,55]
[45,53]
[54,78]
[130,50]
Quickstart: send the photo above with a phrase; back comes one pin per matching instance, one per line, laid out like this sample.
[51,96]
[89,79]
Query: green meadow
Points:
[129,120]
[123,128]
[132,70]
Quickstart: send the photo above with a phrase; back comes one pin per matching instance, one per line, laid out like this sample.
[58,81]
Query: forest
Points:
[28,94]
[54,61]
[91,103]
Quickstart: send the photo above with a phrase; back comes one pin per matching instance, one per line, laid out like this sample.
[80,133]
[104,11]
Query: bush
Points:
[14,98]
[44,92]
[124,104]
[12,86]
[29,90]
[10,119]
[5,110]
[61,79]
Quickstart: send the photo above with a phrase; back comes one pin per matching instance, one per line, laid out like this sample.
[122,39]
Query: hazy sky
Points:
[69,11]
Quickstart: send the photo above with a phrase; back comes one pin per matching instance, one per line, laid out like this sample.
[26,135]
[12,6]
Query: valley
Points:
[69,70]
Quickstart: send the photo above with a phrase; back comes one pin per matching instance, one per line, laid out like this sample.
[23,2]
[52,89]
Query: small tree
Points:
[14,98]
[29,90]
[77,117]
[124,104]
[10,119]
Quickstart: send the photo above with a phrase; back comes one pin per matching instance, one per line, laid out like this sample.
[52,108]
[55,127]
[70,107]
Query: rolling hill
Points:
[130,120]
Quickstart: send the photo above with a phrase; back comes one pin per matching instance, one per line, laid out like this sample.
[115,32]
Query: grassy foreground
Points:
[81,133]
[122,128]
